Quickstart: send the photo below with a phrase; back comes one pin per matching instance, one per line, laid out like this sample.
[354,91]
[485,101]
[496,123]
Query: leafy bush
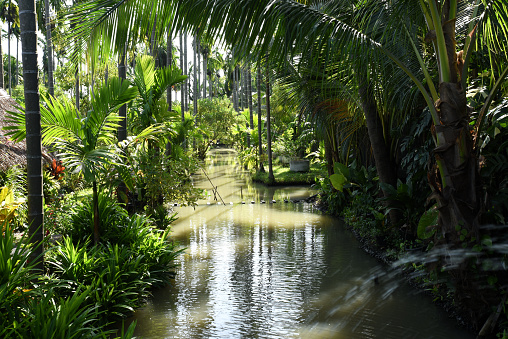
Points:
[120,274]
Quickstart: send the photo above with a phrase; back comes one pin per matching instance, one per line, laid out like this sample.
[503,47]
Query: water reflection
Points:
[279,271]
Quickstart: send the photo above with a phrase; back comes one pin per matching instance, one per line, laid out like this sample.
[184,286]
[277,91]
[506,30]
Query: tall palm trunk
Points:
[122,112]
[121,134]
[33,128]
[169,61]
[241,88]
[16,77]
[186,71]
[2,85]
[260,122]
[195,80]
[384,165]
[205,73]
[454,179]
[49,49]
[9,63]
[271,178]
[95,202]
[248,79]
[182,86]
[198,67]
[77,89]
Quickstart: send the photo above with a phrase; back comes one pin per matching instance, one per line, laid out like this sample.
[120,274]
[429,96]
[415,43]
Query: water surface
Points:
[279,270]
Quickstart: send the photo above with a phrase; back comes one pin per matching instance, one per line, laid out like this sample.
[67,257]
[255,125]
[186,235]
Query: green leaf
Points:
[428,219]
[338,180]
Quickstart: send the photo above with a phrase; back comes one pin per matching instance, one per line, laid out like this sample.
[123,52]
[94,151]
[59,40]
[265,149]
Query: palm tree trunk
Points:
[49,50]
[9,54]
[33,128]
[386,169]
[186,71]
[198,67]
[271,178]
[182,86]
[195,81]
[241,80]
[16,77]
[122,130]
[260,122]
[169,59]
[2,85]
[169,62]
[76,88]
[95,199]
[457,186]
[122,112]
[205,74]
[249,97]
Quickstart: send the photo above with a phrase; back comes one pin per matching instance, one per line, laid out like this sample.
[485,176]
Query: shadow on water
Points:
[279,270]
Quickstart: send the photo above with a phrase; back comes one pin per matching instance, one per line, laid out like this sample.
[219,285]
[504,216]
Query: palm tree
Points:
[28,25]
[151,83]
[385,35]
[85,145]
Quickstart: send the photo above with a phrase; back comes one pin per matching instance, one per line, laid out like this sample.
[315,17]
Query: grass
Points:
[283,176]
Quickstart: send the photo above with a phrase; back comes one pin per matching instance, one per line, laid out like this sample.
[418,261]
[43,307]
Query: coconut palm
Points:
[382,32]
[374,38]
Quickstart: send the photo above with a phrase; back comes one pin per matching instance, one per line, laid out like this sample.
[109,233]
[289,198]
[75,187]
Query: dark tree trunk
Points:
[195,80]
[260,122]
[33,128]
[249,99]
[122,112]
[76,76]
[122,128]
[185,65]
[384,165]
[95,201]
[169,60]
[182,85]
[271,178]
[457,186]
[2,85]
[198,67]
[9,55]
[205,74]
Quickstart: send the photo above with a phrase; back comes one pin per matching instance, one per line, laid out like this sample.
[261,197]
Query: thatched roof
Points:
[12,153]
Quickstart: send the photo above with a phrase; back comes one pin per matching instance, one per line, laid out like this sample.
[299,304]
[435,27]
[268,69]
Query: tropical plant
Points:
[150,108]
[85,146]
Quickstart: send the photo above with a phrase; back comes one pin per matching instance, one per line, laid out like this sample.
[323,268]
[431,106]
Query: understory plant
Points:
[32,305]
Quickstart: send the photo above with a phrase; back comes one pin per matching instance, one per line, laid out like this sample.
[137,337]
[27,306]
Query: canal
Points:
[273,268]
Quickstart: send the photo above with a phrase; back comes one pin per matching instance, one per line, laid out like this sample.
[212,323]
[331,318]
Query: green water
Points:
[279,270]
